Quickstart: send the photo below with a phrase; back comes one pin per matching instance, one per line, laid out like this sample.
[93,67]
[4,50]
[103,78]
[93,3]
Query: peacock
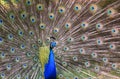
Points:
[59,39]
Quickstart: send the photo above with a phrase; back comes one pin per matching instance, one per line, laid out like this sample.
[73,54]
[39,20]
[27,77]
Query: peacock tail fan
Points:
[87,35]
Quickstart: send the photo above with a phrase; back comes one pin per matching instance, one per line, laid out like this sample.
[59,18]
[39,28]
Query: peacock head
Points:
[52,43]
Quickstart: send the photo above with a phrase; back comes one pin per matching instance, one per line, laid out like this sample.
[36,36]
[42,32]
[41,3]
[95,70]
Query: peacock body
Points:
[87,44]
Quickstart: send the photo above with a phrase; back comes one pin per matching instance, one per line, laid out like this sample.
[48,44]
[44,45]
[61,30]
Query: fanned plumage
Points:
[87,34]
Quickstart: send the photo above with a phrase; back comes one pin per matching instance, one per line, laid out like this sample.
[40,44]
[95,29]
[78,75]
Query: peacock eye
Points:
[12,16]
[40,7]
[2,55]
[22,46]
[26,77]
[114,31]
[18,76]
[114,66]
[42,26]
[1,22]
[34,46]
[58,56]
[20,33]
[2,75]
[24,66]
[84,25]
[8,67]
[64,64]
[93,8]
[35,58]
[94,55]
[39,41]
[70,39]
[112,46]
[51,15]
[65,48]
[87,64]
[48,39]
[28,2]
[105,60]
[61,10]
[23,15]
[84,37]
[12,50]
[67,25]
[111,12]
[60,76]
[97,68]
[10,36]
[99,41]
[17,59]
[32,19]
[31,33]
[1,40]
[76,77]
[77,7]
[99,26]
[56,30]
[82,51]
[28,54]
[75,58]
